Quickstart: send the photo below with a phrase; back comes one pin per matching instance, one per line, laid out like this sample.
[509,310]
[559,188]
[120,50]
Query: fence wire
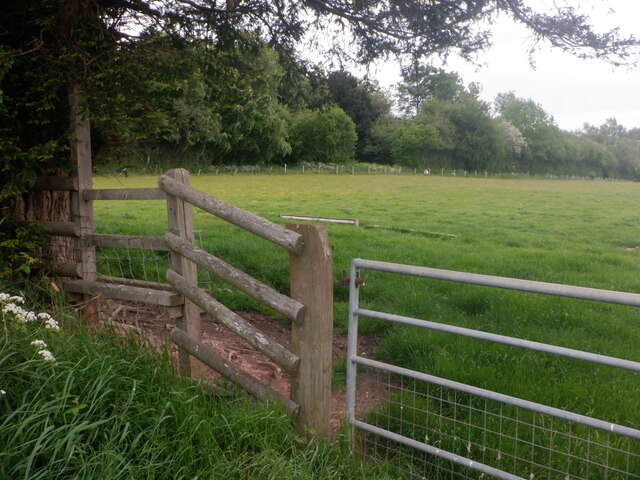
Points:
[514,440]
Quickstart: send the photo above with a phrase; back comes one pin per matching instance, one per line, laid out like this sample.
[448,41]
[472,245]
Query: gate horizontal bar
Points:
[584,293]
[514,342]
[438,452]
[499,397]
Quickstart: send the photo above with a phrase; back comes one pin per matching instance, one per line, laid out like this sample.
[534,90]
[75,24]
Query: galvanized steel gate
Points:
[433,427]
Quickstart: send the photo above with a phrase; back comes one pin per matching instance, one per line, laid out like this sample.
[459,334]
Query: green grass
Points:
[112,408]
[575,232]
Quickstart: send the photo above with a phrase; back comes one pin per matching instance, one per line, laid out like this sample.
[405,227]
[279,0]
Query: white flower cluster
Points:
[11,307]
[47,356]
[6,298]
[49,322]
[19,312]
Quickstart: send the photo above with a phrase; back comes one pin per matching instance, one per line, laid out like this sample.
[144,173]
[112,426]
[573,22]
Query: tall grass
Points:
[108,407]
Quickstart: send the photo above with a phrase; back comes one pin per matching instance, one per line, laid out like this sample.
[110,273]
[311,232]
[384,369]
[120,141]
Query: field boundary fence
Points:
[310,306]
[436,428]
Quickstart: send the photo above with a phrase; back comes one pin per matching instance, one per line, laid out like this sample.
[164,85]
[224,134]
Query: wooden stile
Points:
[263,293]
[312,285]
[258,340]
[252,223]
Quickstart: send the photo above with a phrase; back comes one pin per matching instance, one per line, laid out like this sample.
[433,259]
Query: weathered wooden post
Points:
[83,209]
[180,219]
[312,341]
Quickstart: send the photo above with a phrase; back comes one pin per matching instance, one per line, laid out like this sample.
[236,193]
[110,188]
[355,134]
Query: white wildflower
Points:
[39,343]
[2,392]
[52,324]
[6,298]
[47,355]
[49,322]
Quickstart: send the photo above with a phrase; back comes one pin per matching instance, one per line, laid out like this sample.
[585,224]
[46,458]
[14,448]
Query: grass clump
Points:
[99,406]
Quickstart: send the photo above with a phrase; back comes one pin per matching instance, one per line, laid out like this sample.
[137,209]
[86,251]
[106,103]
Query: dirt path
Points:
[153,323]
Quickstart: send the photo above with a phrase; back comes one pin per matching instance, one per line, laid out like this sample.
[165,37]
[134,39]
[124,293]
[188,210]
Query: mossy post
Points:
[312,341]
[179,214]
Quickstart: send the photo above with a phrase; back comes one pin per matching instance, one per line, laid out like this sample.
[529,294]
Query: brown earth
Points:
[153,323]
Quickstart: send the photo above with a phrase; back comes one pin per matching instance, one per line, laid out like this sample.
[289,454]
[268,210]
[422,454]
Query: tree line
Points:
[254,105]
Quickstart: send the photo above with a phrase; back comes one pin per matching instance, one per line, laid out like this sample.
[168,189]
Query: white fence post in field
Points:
[312,341]
[180,218]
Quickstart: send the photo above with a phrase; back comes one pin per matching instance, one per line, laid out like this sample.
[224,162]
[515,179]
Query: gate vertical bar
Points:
[180,218]
[312,341]
[352,345]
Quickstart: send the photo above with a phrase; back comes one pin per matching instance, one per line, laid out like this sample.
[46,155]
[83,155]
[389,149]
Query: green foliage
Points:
[327,135]
[412,143]
[21,250]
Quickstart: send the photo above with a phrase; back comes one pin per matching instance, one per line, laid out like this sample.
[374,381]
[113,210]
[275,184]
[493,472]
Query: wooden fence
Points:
[310,308]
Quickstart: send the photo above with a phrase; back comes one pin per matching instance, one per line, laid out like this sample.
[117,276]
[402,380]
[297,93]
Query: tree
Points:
[412,144]
[424,82]
[622,143]
[327,135]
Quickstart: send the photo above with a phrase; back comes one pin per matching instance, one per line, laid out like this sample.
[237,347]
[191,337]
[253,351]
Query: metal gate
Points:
[432,427]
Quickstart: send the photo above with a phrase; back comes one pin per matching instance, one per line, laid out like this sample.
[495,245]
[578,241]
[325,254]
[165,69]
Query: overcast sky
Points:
[573,91]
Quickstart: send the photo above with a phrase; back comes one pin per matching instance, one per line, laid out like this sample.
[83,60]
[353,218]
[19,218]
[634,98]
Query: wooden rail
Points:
[124,194]
[282,304]
[62,229]
[248,221]
[123,292]
[234,322]
[221,365]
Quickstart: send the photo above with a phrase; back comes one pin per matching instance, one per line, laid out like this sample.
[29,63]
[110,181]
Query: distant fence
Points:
[311,308]
[435,428]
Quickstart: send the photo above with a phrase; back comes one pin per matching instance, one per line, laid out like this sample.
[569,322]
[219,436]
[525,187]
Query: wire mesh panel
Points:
[514,440]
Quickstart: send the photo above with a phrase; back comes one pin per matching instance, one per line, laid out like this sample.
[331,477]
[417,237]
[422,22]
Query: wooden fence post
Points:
[312,341]
[83,209]
[180,219]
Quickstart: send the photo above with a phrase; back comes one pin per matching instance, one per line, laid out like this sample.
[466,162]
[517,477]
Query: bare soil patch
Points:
[153,323]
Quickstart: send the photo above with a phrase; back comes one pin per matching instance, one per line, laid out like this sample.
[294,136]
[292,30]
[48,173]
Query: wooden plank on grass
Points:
[124,194]
[124,292]
[234,322]
[351,221]
[288,307]
[220,364]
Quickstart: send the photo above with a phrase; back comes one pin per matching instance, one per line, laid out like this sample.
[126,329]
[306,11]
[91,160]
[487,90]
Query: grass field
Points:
[576,232]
